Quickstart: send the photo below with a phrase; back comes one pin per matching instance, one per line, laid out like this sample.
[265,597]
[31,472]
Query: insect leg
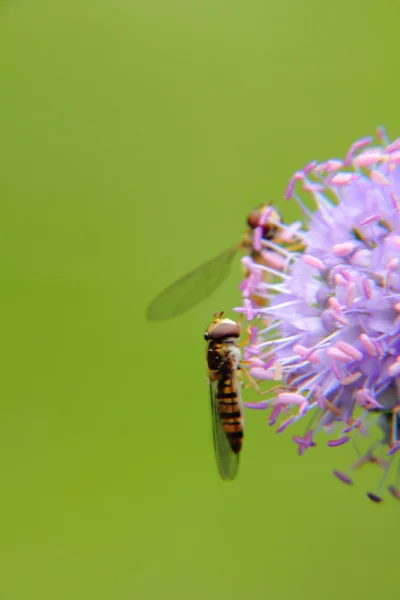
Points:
[254,384]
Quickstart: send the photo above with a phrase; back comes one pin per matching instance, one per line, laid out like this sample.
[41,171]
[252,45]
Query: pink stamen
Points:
[382,135]
[344,273]
[350,295]
[394,492]
[393,158]
[394,368]
[338,442]
[339,319]
[354,147]
[350,350]
[364,397]
[367,287]
[309,167]
[392,147]
[312,261]
[267,212]
[313,187]
[253,335]
[285,424]
[343,477]
[334,304]
[274,415]
[257,405]
[350,379]
[319,397]
[362,258]
[378,178]
[343,179]
[290,231]
[257,238]
[339,279]
[262,374]
[343,249]
[337,354]
[395,240]
[366,159]
[374,497]
[393,264]
[329,166]
[273,259]
[306,353]
[371,219]
[395,448]
[289,190]
[248,309]
[289,398]
[368,344]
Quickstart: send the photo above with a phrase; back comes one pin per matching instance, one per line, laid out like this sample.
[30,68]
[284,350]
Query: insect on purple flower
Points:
[329,322]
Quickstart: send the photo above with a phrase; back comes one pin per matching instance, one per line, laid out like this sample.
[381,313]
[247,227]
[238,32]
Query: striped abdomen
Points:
[230,410]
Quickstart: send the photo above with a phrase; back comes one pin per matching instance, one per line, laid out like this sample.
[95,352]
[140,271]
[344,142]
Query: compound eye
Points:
[206,336]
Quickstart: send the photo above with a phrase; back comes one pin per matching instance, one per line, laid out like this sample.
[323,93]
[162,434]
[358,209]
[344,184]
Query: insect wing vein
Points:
[192,288]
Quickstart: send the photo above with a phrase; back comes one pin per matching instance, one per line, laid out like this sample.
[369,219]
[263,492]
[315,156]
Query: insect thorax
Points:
[223,356]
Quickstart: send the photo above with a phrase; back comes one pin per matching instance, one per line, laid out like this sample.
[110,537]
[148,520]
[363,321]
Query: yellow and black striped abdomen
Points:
[230,411]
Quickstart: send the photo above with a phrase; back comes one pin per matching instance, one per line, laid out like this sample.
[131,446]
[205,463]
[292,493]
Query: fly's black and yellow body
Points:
[223,361]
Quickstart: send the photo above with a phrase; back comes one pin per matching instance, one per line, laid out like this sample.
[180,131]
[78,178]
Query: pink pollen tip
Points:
[393,146]
[343,178]
[343,477]
[305,353]
[334,304]
[371,219]
[290,398]
[374,497]
[368,345]
[337,354]
[393,158]
[309,167]
[312,261]
[378,178]
[266,215]
[394,492]
[394,449]
[285,424]
[329,166]
[257,237]
[338,442]
[395,239]
[262,374]
[343,249]
[274,415]
[368,158]
[257,405]
[350,379]
[394,368]
[350,350]
[289,190]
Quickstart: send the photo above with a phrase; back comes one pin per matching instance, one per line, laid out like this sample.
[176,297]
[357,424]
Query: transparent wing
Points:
[192,288]
[227,460]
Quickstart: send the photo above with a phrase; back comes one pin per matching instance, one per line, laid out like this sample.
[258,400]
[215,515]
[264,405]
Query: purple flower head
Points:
[327,320]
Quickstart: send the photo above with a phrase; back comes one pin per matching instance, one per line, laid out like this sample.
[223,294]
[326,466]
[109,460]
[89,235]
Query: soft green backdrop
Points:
[134,138]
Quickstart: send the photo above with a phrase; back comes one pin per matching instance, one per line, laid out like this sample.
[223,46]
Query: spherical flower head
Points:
[329,320]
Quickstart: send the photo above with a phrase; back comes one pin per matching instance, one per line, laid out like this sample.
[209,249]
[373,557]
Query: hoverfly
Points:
[223,362]
[195,286]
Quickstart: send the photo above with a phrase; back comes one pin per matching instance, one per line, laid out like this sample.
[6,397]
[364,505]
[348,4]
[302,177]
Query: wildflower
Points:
[328,322]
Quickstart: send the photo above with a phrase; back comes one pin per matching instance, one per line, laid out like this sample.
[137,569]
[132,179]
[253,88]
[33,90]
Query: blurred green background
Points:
[134,138]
